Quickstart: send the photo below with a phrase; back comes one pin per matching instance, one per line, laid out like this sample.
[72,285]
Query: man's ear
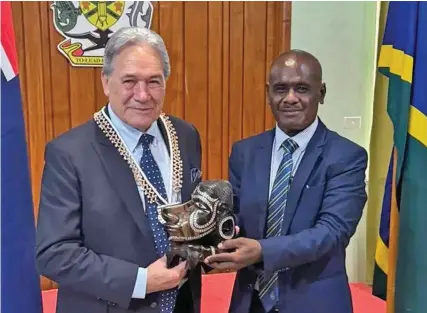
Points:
[267,93]
[322,93]
[104,80]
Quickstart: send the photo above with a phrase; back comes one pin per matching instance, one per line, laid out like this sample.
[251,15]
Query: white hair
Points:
[128,36]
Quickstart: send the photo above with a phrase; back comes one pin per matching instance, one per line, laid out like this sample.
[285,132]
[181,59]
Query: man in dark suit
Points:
[300,192]
[98,233]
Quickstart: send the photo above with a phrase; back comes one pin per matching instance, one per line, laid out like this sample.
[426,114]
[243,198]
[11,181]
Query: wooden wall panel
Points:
[236,57]
[47,66]
[225,87]
[254,67]
[196,69]
[60,78]
[213,147]
[172,30]
[220,54]
[35,90]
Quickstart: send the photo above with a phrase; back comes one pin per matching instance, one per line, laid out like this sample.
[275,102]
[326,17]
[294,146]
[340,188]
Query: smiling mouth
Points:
[290,111]
[142,109]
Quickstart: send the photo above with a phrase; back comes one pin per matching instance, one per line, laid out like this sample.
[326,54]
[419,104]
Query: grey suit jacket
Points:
[92,233]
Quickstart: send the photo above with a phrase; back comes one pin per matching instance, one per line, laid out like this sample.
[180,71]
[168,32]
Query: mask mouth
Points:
[168,214]
[227,228]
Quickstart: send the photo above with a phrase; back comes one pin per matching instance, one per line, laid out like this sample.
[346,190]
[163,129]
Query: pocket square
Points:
[195,174]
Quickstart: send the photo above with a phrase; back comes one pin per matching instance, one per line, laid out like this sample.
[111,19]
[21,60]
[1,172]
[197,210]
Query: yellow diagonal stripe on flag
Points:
[417,125]
[397,61]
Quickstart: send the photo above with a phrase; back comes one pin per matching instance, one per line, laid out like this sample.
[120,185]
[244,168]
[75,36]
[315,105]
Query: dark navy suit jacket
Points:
[92,231]
[324,206]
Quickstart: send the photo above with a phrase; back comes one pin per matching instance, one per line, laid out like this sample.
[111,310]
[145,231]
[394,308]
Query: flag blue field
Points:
[20,284]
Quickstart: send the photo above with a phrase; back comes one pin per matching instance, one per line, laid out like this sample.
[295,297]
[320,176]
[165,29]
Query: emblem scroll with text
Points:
[87,25]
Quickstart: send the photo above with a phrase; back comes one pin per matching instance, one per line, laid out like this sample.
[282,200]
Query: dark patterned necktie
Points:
[269,289]
[152,172]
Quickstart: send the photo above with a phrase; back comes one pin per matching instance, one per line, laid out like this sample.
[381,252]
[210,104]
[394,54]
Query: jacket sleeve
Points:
[61,253]
[341,209]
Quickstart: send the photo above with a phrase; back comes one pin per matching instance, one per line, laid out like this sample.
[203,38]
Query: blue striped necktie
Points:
[269,291]
[152,172]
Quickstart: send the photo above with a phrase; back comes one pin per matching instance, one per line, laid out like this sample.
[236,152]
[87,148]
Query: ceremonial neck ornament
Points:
[152,195]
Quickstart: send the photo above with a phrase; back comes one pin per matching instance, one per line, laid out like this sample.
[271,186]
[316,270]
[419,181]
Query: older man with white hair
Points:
[98,234]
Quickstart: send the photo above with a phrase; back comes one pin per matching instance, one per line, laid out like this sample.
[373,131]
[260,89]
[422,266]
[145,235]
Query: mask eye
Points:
[203,217]
[201,207]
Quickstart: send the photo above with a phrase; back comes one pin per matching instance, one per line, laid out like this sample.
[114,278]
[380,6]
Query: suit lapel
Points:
[122,180]
[186,184]
[164,134]
[262,177]
[312,157]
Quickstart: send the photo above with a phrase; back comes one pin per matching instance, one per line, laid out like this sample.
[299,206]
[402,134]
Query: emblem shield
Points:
[102,14]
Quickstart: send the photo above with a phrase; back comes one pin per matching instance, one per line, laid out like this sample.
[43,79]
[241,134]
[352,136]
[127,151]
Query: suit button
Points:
[99,299]
[153,305]
[250,286]
[112,303]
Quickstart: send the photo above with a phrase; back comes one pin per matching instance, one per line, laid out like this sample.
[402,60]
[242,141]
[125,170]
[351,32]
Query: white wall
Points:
[342,35]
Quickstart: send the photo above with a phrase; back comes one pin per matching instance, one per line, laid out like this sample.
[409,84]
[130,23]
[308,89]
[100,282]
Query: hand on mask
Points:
[246,252]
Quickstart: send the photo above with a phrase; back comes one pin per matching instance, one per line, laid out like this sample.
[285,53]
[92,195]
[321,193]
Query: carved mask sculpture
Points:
[196,227]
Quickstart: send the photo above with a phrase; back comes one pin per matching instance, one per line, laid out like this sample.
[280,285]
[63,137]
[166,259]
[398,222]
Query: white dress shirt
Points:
[158,148]
[302,139]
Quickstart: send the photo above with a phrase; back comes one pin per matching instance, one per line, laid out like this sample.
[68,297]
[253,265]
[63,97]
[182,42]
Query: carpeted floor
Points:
[363,301]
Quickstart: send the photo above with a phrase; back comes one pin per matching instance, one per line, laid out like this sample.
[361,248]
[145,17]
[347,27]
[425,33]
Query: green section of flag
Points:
[379,288]
[411,275]
[399,92]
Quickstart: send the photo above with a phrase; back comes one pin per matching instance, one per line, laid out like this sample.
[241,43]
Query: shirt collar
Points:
[131,135]
[302,138]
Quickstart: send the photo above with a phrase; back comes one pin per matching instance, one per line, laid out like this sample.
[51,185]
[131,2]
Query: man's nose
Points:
[141,92]
[291,97]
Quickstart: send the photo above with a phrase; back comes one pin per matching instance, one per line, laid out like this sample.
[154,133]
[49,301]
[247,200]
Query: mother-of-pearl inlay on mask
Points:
[196,227]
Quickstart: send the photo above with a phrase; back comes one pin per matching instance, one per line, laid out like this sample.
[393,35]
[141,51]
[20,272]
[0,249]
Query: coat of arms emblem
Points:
[87,26]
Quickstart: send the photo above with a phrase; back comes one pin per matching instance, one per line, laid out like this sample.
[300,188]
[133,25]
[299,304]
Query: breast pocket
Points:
[318,186]
[308,207]
[312,195]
